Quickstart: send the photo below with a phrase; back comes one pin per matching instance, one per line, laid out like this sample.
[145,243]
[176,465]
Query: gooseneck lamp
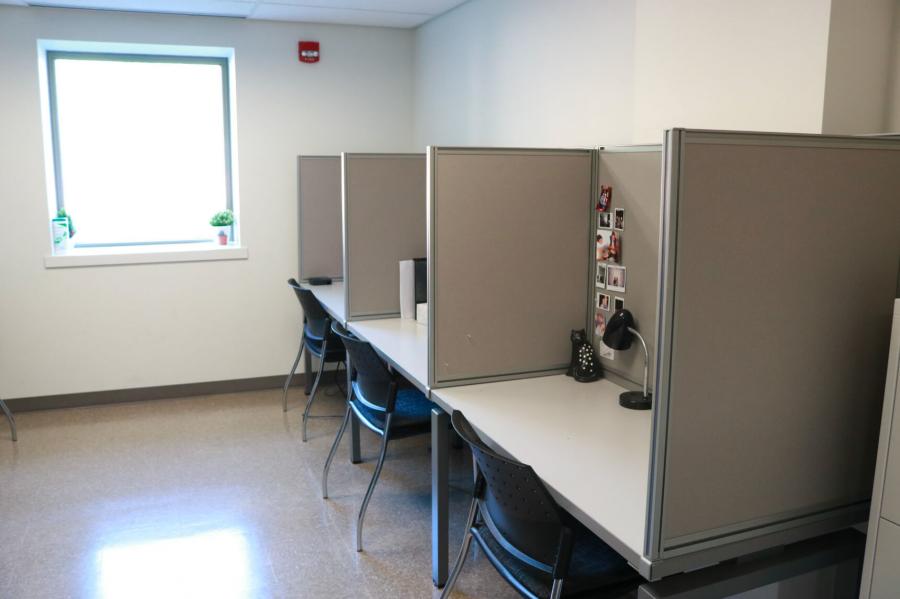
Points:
[619,334]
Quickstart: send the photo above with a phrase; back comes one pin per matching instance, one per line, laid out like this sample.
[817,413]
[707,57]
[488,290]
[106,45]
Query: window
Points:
[141,146]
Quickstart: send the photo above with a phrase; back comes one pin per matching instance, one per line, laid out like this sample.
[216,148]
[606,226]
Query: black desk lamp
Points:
[619,334]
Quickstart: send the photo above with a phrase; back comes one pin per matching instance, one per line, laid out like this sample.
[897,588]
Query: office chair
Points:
[384,402]
[12,420]
[318,340]
[539,549]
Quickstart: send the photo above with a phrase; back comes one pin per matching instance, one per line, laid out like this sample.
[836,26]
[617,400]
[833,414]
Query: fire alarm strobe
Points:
[309,51]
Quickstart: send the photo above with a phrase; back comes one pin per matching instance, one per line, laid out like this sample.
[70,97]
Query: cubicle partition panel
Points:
[780,256]
[508,269]
[384,222]
[633,174]
[319,213]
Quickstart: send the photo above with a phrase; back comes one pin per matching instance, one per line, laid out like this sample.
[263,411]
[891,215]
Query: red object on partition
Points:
[309,51]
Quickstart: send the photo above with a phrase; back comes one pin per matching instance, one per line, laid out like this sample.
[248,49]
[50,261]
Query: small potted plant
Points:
[63,230]
[223,221]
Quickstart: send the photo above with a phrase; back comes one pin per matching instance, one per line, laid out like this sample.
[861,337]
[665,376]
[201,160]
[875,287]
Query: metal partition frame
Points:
[672,554]
[383,199]
[501,187]
[321,233]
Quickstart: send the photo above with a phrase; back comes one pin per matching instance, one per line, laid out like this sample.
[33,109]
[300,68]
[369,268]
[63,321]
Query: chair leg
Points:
[463,551]
[11,418]
[290,375]
[334,446]
[375,475]
[312,396]
[556,589]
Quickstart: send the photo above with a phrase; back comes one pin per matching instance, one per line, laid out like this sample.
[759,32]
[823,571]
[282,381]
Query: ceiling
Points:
[379,13]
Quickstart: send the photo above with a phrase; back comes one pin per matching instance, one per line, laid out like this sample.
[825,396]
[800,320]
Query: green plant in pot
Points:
[61,213]
[223,221]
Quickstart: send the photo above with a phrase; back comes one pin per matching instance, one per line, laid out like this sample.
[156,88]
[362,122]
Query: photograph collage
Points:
[611,272]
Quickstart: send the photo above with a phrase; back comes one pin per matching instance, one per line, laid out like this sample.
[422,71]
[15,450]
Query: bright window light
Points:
[141,145]
[210,564]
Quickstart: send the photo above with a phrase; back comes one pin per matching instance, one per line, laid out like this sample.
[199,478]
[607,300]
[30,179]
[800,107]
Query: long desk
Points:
[593,455]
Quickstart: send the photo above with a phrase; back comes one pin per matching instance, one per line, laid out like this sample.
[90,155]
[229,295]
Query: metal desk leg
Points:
[11,418]
[307,372]
[440,495]
[355,454]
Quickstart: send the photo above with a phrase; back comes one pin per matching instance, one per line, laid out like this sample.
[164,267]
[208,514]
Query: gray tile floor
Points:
[216,496]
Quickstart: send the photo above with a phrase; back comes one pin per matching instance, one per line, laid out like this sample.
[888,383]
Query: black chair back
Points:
[516,506]
[317,319]
[373,383]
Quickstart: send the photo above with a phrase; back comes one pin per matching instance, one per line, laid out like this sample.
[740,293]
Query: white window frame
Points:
[150,251]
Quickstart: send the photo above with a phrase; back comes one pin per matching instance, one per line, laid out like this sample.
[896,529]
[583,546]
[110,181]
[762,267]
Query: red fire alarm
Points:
[309,51]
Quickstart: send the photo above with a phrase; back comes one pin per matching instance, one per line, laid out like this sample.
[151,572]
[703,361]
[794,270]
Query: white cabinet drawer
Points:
[886,572]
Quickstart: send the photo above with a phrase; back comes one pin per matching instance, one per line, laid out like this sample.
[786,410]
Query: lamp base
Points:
[635,400]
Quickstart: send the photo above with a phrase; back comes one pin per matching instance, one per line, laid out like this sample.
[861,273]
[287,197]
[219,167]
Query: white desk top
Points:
[402,342]
[331,297]
[592,454]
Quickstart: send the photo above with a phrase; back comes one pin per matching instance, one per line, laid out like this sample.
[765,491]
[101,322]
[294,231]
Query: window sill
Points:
[109,256]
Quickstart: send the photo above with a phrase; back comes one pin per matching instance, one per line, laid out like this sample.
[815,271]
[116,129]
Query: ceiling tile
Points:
[225,8]
[426,7]
[312,14]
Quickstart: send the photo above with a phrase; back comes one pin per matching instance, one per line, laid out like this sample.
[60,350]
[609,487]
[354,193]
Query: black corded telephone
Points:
[585,367]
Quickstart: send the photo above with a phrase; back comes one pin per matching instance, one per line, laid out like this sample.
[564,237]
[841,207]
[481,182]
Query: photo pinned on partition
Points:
[603,301]
[604,351]
[605,200]
[615,278]
[599,324]
[614,249]
[618,303]
[604,220]
[619,219]
[603,239]
[601,275]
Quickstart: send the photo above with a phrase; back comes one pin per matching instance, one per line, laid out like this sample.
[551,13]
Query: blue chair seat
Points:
[596,571]
[412,414]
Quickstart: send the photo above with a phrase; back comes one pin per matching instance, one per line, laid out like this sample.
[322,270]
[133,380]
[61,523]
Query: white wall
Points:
[115,327]
[586,73]
[860,48]
[743,64]
[526,73]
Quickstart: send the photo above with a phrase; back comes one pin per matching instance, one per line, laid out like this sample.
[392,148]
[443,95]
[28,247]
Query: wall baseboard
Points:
[93,398]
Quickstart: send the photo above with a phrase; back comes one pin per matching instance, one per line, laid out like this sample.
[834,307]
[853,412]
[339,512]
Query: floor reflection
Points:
[208,564]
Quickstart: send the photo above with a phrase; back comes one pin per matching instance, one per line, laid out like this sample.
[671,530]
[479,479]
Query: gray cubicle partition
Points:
[635,175]
[508,268]
[384,222]
[779,266]
[319,214]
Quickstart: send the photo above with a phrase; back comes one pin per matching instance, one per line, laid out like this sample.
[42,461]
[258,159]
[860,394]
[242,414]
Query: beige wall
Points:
[113,327]
[535,73]
[756,65]
[860,47]
[526,73]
